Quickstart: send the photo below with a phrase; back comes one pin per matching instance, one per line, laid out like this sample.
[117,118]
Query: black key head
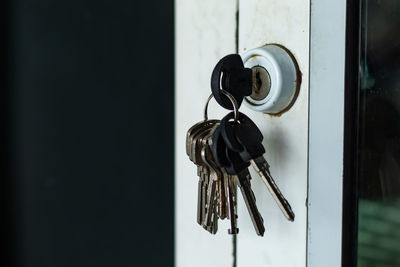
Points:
[236,79]
[218,148]
[250,137]
[228,131]
[236,164]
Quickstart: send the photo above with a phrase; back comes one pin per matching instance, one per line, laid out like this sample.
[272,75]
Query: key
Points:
[218,151]
[231,75]
[197,145]
[211,194]
[228,132]
[195,128]
[202,170]
[204,198]
[231,201]
[238,167]
[191,134]
[222,202]
[200,195]
[214,224]
[215,180]
[250,137]
[208,190]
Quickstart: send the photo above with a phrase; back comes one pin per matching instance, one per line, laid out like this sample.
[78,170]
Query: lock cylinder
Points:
[261,84]
[276,79]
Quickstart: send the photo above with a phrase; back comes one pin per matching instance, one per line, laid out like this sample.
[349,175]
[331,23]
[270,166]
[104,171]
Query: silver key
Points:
[214,176]
[250,138]
[222,201]
[211,197]
[213,227]
[230,188]
[202,170]
[239,168]
[243,178]
[190,133]
[262,168]
[200,190]
[197,145]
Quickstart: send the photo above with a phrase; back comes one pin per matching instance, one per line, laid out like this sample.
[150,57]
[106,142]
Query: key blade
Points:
[210,203]
[249,198]
[262,168]
[230,195]
[199,199]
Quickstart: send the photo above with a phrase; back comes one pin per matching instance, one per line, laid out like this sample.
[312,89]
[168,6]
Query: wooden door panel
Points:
[285,138]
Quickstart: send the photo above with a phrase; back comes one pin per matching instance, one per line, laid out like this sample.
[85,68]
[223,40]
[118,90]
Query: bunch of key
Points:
[224,149]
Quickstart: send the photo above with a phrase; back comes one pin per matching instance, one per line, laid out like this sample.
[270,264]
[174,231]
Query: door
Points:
[304,144]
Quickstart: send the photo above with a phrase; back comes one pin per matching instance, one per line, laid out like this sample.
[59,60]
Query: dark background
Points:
[87,132]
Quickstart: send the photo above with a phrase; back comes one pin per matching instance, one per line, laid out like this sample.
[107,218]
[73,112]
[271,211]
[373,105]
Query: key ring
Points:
[231,98]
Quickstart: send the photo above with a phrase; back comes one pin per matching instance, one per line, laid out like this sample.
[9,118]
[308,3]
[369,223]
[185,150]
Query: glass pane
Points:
[379,132]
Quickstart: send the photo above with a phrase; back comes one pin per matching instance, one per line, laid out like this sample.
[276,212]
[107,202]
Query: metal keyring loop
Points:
[231,98]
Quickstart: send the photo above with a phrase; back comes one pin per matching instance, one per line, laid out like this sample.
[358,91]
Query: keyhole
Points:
[261,83]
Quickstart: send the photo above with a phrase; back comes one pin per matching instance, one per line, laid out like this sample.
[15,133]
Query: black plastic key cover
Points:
[235,79]
[248,137]
[228,133]
[236,164]
[228,130]
[218,148]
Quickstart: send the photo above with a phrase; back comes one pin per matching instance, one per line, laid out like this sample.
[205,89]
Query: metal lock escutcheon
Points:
[276,79]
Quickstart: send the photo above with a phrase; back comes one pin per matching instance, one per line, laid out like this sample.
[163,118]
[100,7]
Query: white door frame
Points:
[326,129]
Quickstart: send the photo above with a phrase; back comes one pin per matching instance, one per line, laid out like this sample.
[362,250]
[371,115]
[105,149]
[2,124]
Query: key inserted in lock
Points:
[261,83]
[276,79]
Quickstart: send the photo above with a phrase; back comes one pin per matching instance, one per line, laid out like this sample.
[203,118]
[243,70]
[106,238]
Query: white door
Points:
[304,144]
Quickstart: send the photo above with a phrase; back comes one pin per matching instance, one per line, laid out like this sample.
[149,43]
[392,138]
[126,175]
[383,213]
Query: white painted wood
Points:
[205,31]
[327,62]
[285,22]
